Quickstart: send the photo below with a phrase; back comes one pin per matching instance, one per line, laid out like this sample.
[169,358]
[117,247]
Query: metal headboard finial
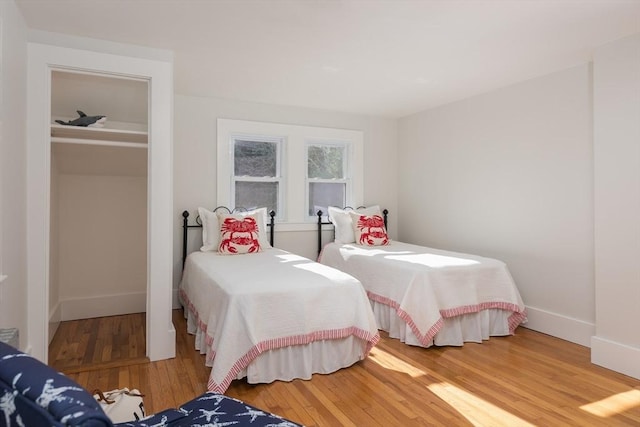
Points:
[319,213]
[272,216]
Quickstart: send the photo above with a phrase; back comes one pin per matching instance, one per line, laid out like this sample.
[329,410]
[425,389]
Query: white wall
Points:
[617,205]
[13,179]
[195,160]
[102,245]
[508,175]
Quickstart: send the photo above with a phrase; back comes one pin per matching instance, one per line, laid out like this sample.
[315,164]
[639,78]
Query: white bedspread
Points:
[426,285]
[253,303]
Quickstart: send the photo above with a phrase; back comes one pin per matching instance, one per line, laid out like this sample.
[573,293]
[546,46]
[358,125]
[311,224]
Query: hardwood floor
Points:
[526,379]
[89,344]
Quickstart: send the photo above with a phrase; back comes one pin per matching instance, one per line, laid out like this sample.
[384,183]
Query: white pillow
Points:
[263,220]
[342,221]
[211,228]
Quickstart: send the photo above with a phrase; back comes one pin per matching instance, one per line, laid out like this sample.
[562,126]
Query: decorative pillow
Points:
[263,220]
[343,224]
[210,230]
[369,230]
[239,234]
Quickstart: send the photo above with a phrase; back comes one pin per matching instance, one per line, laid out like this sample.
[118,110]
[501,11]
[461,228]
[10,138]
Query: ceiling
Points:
[375,57]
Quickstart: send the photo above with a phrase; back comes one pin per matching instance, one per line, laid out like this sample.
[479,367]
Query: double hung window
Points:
[327,176]
[294,170]
[256,178]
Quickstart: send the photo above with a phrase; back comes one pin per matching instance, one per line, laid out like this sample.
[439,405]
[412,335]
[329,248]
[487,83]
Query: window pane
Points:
[325,162]
[255,158]
[257,195]
[322,195]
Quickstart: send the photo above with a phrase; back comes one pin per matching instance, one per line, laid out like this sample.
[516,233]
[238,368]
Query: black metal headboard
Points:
[385,213]
[186,226]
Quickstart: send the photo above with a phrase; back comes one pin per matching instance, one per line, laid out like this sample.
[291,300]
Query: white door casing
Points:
[42,60]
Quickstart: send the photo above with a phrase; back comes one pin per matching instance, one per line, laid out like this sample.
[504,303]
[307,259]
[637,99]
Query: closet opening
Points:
[98,252]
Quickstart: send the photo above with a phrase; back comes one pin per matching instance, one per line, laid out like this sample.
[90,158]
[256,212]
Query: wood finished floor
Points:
[526,379]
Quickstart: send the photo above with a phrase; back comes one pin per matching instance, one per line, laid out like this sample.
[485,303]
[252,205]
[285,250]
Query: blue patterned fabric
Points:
[212,409]
[33,394]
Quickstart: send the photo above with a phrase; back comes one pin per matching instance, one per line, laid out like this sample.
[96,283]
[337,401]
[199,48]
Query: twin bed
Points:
[271,315]
[424,296]
[268,314]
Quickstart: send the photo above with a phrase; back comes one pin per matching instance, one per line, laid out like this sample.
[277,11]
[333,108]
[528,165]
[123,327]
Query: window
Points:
[294,170]
[256,172]
[327,176]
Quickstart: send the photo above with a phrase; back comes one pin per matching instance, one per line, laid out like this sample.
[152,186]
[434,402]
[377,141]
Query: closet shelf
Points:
[63,133]
[105,142]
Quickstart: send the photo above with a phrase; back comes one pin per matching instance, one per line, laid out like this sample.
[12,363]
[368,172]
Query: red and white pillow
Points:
[239,234]
[369,230]
[211,232]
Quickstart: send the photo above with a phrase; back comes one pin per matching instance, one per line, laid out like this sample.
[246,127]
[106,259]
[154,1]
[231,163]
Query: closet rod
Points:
[107,143]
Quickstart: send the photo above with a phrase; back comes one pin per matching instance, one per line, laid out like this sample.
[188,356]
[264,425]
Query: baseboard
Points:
[616,356]
[566,328]
[55,317]
[105,305]
[176,302]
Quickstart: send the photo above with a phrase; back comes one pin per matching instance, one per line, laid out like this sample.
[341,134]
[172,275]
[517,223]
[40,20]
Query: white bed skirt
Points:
[473,327]
[294,362]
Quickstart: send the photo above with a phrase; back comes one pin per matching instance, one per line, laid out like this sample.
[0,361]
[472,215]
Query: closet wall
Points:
[98,216]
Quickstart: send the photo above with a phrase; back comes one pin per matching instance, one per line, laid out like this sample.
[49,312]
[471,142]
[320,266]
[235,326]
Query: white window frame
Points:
[346,167]
[279,175]
[294,192]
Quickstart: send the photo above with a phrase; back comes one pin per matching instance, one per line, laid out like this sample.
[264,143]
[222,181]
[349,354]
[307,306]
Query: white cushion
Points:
[263,220]
[210,230]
